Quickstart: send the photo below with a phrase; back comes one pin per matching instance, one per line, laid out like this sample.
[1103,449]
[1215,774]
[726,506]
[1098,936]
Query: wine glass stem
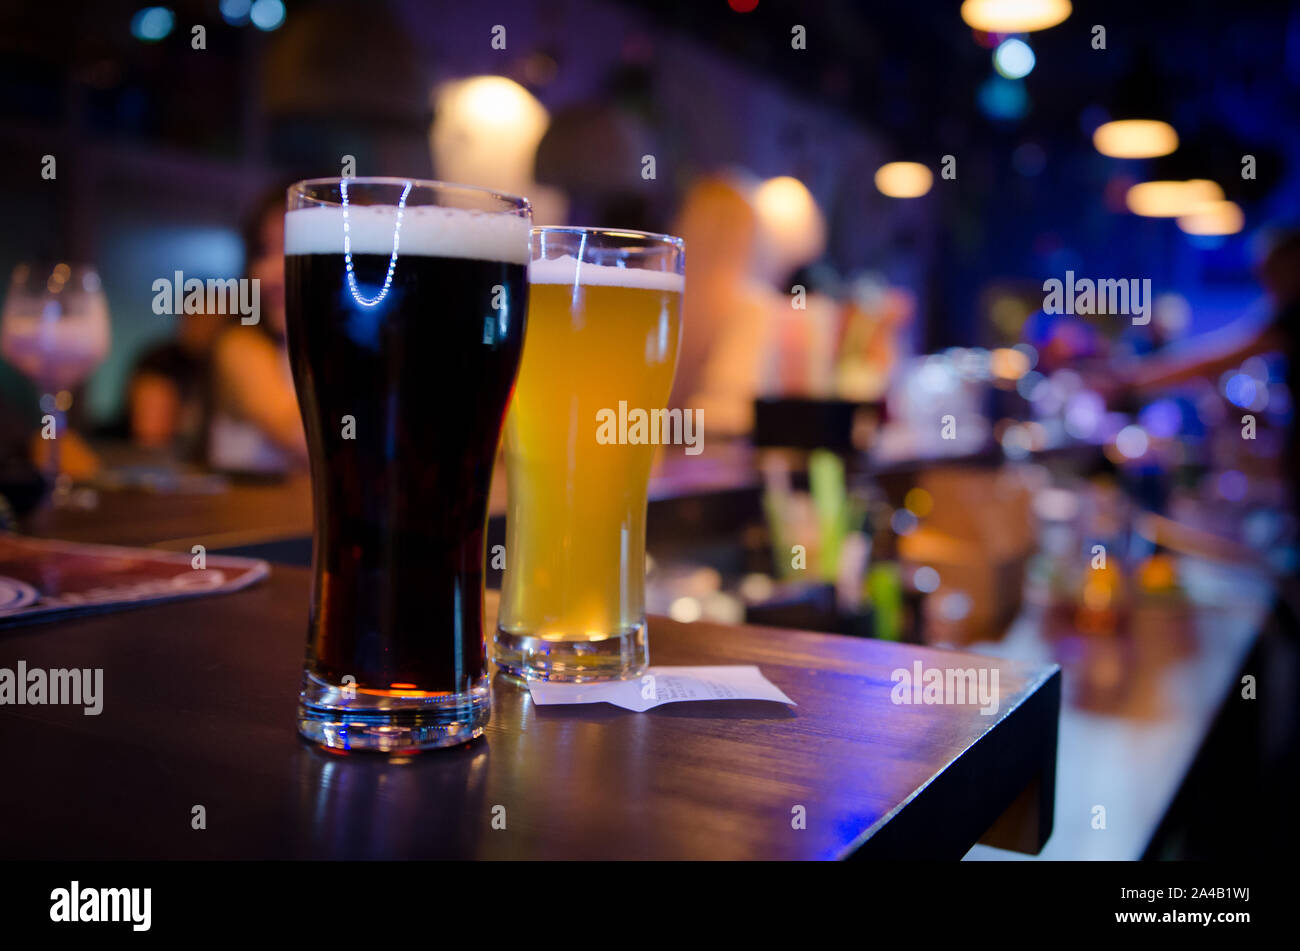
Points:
[54,456]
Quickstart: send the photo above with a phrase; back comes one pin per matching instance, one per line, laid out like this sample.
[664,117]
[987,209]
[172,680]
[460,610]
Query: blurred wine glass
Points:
[55,331]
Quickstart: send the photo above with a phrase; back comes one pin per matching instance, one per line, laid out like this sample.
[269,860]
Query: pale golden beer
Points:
[604,323]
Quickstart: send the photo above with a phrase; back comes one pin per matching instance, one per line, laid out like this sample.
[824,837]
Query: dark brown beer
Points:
[404,363]
[399,506]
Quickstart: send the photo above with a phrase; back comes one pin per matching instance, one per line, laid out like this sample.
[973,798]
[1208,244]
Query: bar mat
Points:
[45,579]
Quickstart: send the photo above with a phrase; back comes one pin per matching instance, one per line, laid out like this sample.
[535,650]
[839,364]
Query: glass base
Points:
[616,657]
[341,717]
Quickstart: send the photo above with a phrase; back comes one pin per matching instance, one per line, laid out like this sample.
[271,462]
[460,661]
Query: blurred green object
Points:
[774,509]
[837,514]
[885,589]
[831,503]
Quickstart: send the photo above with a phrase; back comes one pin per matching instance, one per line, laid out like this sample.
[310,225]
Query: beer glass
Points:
[604,325]
[405,305]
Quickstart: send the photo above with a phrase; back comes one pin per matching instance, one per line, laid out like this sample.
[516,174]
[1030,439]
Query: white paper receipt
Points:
[665,685]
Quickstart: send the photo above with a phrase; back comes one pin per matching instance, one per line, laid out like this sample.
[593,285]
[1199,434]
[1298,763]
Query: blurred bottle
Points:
[1102,603]
[884,582]
[873,325]
[1084,540]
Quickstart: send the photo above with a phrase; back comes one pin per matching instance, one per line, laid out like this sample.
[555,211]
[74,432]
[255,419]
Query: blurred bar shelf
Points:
[1134,752]
[711,493]
[687,781]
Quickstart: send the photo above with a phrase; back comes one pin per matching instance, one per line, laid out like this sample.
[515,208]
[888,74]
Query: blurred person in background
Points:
[723,310]
[803,309]
[740,329]
[255,426]
[1273,764]
[168,394]
[1210,355]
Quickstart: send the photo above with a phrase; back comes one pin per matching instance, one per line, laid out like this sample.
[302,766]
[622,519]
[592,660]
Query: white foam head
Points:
[426,230]
[568,270]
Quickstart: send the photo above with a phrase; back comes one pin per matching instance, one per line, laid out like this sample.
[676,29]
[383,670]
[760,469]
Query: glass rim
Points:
[514,204]
[653,236]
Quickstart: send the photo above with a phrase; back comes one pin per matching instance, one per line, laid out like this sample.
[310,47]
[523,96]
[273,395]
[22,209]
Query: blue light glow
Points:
[1162,419]
[267,14]
[235,12]
[1013,59]
[1240,390]
[152,24]
[1001,98]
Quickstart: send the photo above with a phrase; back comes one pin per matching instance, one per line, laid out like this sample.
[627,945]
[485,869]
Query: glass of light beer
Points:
[405,305]
[604,326]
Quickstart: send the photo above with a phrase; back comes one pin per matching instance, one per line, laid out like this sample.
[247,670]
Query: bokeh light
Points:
[918,501]
[1014,16]
[267,14]
[1132,442]
[904,179]
[685,609]
[903,522]
[152,24]
[1241,390]
[1162,419]
[1084,412]
[1213,218]
[926,579]
[1002,98]
[1170,199]
[1013,59]
[1135,138]
[235,12]
[791,222]
[1007,363]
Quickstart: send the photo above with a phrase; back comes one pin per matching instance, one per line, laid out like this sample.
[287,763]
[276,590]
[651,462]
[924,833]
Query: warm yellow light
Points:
[1014,16]
[1135,138]
[1213,217]
[1171,199]
[486,132]
[1008,364]
[496,100]
[918,501]
[904,179]
[785,203]
[792,228]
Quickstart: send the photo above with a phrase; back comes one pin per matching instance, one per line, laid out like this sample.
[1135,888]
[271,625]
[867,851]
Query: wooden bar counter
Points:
[198,710]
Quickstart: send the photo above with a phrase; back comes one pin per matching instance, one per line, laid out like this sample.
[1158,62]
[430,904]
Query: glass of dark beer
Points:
[405,306]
